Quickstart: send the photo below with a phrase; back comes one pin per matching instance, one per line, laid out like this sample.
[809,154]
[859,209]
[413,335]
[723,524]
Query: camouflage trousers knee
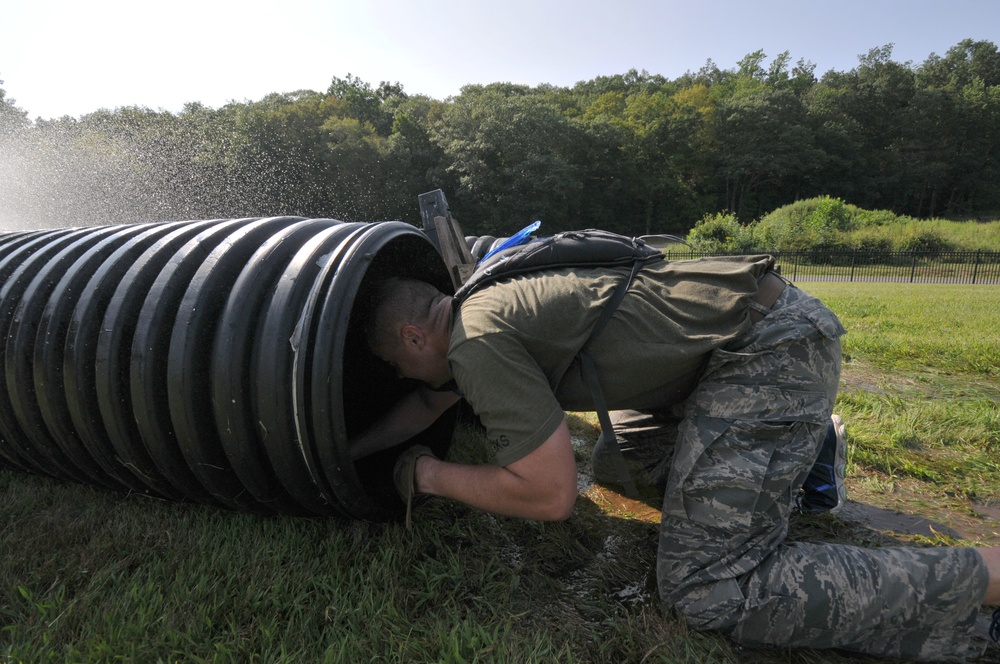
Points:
[751,431]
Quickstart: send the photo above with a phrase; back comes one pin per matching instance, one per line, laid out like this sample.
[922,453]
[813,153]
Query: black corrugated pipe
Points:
[217,361]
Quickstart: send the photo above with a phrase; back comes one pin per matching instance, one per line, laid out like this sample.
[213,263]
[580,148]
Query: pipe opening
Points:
[370,386]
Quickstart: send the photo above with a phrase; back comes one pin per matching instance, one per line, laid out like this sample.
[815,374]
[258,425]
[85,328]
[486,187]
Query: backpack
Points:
[587,248]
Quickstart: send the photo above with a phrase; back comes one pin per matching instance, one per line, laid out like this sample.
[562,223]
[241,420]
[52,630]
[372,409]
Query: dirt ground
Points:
[903,512]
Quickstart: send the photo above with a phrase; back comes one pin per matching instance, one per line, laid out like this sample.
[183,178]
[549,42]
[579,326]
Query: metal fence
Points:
[951,267]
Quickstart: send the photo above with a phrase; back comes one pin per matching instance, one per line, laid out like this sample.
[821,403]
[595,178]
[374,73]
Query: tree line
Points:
[634,152]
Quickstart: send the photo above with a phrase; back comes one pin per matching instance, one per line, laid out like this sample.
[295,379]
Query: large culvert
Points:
[218,362]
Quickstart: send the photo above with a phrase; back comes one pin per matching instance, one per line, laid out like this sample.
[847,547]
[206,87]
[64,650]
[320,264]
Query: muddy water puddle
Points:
[891,521]
[905,510]
[908,506]
[980,525]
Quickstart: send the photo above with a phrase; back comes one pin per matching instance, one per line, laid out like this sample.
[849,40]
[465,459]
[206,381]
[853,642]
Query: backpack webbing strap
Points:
[589,370]
[607,438]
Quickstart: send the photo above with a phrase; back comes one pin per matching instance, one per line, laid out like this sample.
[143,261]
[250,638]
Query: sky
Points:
[73,57]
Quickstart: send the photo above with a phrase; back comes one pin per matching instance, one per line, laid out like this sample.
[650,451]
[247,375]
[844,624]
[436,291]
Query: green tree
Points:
[277,156]
[633,152]
[512,158]
[766,151]
[967,61]
[664,152]
[367,104]
[629,83]
[412,148]
[12,118]
[659,133]
[864,110]
[955,130]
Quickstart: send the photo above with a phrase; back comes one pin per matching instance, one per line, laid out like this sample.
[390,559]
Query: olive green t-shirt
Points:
[514,344]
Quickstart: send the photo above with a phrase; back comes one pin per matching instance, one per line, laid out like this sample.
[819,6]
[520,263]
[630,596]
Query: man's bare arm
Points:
[540,486]
[406,418]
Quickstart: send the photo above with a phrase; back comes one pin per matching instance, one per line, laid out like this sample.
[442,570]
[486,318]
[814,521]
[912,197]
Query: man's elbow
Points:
[563,512]
[559,505]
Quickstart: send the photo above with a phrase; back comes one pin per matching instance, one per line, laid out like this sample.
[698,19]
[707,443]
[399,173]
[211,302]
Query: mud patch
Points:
[910,507]
[891,506]
[612,501]
[884,520]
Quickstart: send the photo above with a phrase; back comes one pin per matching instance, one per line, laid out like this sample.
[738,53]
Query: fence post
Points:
[854,257]
[913,265]
[975,267]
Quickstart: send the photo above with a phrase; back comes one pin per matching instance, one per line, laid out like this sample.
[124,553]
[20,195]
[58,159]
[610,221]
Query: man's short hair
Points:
[396,302]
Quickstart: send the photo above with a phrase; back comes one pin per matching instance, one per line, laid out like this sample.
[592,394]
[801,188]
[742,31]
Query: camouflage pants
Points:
[750,432]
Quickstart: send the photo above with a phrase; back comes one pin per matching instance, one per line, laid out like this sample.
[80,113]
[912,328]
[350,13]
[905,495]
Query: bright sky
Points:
[71,57]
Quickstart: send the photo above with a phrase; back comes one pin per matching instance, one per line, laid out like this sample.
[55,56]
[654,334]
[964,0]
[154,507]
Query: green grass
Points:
[88,575]
[921,382]
[924,328]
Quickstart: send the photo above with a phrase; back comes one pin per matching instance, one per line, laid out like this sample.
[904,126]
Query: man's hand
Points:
[404,477]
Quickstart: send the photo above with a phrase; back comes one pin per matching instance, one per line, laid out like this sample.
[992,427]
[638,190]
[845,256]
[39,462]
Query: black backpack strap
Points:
[607,438]
[589,370]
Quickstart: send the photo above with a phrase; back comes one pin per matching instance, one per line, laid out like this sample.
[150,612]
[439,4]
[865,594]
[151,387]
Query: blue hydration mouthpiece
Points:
[521,237]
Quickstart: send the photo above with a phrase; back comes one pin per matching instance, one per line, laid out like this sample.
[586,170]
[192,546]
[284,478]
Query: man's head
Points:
[409,328]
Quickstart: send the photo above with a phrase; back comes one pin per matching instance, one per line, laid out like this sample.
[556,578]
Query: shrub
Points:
[925,240]
[827,223]
[721,233]
[866,240]
[833,241]
[830,214]
[873,242]
[868,218]
[806,224]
